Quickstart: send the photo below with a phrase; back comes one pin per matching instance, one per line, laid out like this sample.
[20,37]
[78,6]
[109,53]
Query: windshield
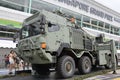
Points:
[53,27]
[32,30]
[35,28]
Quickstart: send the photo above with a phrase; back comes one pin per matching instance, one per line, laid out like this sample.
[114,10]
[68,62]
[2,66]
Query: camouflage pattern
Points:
[59,34]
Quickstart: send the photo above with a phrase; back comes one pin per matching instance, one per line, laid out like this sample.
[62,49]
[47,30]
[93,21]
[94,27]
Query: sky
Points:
[113,4]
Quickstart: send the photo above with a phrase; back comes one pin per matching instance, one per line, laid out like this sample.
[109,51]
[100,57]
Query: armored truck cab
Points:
[48,40]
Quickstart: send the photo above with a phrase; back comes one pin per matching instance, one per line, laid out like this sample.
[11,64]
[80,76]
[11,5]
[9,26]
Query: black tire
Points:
[109,64]
[66,67]
[41,69]
[84,65]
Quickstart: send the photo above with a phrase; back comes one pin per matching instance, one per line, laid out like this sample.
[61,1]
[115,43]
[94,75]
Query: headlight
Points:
[43,45]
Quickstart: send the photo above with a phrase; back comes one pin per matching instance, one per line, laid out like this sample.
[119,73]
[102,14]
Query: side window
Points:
[25,32]
[53,27]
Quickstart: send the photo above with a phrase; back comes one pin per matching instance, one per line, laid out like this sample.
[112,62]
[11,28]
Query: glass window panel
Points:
[22,2]
[101,24]
[40,5]
[86,25]
[116,30]
[111,30]
[6,35]
[53,28]
[11,5]
[94,27]
[93,21]
[11,35]
[106,30]
[86,19]
[2,34]
[118,44]
[79,23]
[71,13]
[100,29]
[107,26]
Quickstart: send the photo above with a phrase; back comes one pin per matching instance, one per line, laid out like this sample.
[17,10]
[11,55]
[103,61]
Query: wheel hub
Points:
[87,65]
[68,66]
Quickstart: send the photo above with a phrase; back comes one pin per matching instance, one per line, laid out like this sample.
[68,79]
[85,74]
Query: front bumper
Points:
[37,56]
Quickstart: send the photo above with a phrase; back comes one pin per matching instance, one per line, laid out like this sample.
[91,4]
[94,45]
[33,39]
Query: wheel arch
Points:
[87,53]
[61,48]
[75,56]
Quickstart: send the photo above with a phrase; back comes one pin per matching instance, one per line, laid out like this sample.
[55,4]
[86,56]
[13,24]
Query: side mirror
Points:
[49,24]
[15,37]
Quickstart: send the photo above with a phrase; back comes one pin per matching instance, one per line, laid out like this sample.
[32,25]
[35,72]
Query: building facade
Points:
[91,16]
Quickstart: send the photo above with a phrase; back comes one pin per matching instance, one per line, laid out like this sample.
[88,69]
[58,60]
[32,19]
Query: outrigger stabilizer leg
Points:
[113,50]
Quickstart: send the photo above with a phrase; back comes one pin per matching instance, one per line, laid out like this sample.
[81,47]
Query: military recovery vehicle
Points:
[48,40]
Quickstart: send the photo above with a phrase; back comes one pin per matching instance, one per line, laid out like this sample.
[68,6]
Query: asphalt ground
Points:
[97,74]
[53,76]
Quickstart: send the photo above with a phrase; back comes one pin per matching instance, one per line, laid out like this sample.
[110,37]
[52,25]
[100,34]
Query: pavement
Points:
[4,72]
[108,76]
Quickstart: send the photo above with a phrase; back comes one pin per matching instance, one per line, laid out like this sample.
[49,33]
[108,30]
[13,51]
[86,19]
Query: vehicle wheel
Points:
[66,66]
[41,70]
[109,63]
[84,65]
[35,74]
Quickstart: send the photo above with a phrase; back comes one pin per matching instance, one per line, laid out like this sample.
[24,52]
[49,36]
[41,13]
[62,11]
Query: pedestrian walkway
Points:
[108,76]
[5,72]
